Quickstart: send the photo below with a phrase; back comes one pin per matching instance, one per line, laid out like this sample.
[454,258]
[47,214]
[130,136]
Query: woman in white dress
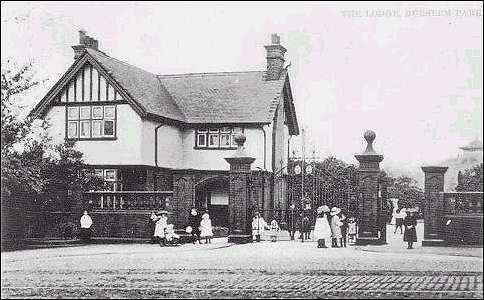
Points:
[322,230]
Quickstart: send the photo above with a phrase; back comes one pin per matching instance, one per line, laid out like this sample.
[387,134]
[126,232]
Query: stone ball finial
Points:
[369,136]
[239,139]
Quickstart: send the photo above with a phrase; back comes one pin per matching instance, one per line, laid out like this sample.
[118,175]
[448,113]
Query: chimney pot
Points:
[85,41]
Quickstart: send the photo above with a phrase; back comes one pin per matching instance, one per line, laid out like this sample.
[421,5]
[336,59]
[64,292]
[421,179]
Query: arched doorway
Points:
[212,194]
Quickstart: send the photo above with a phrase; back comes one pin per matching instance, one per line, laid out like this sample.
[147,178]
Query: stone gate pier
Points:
[450,218]
[371,212]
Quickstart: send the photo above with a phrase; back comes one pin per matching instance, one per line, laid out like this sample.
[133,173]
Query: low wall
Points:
[464,210]
[464,230]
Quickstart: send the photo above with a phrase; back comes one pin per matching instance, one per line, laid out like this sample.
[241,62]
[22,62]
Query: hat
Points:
[322,209]
[335,211]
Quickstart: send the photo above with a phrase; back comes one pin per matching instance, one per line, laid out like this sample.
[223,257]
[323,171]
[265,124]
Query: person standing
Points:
[322,230]
[335,226]
[344,230]
[274,230]
[161,225]
[400,216]
[306,222]
[352,229]
[86,223]
[206,228]
[410,235]
[152,225]
[258,225]
[194,220]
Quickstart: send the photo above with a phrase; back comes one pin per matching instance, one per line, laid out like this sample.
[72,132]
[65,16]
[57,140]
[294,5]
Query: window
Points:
[213,140]
[85,129]
[72,131]
[225,140]
[91,122]
[110,175]
[216,138]
[201,140]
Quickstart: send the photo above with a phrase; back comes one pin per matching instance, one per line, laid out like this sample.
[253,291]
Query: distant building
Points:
[471,156]
[473,150]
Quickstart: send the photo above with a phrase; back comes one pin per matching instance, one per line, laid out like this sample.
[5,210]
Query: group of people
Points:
[162,232]
[200,227]
[330,224]
[333,224]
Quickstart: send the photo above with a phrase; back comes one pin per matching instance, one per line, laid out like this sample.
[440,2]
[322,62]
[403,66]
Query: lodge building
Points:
[160,140]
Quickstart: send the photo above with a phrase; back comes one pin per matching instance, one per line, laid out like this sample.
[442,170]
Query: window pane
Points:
[85,129]
[110,175]
[234,144]
[85,112]
[226,129]
[213,140]
[237,129]
[96,128]
[202,130]
[213,130]
[72,130]
[108,128]
[201,140]
[99,173]
[97,112]
[73,113]
[225,140]
[109,112]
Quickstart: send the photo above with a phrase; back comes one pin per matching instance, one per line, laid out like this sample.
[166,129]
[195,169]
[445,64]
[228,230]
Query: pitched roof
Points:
[225,97]
[474,145]
[144,87]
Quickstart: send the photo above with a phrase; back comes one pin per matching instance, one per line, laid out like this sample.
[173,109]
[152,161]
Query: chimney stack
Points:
[85,41]
[275,58]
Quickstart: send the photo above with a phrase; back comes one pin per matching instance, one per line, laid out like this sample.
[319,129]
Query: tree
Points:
[470,180]
[32,175]
[21,150]
[405,189]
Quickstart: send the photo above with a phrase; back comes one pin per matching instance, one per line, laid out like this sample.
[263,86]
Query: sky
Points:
[412,72]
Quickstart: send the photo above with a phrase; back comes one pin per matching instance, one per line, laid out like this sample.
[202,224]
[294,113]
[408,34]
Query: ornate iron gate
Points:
[296,187]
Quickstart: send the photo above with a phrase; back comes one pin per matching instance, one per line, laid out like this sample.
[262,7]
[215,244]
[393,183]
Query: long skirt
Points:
[410,234]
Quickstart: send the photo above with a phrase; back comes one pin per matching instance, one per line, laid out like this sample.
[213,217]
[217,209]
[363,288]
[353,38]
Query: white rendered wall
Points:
[170,145]
[125,150]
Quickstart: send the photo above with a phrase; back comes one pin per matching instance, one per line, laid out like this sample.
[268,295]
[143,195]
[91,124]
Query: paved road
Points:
[283,269]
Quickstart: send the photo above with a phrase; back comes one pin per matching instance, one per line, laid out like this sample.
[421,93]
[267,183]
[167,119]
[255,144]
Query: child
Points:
[206,228]
[352,229]
[170,235]
[274,230]
[344,230]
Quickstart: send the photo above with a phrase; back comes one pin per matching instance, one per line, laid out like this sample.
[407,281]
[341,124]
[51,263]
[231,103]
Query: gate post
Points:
[368,185]
[433,205]
[240,230]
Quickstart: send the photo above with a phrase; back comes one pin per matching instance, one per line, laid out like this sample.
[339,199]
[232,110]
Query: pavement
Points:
[285,269]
